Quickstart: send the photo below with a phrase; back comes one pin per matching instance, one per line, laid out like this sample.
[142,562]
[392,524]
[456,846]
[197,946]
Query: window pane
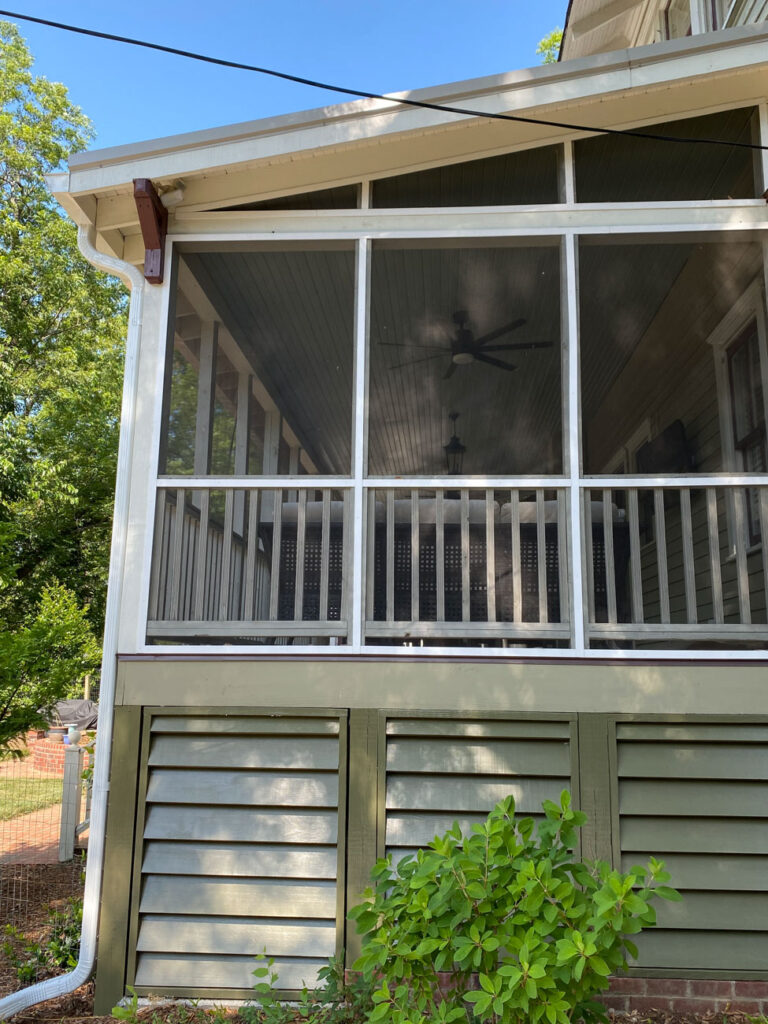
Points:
[260,380]
[746,387]
[529,176]
[475,330]
[613,168]
[648,310]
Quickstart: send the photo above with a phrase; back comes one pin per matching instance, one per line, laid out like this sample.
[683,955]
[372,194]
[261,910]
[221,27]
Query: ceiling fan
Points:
[465,348]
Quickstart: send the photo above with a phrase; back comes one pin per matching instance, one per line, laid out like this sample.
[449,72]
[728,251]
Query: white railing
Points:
[488,565]
[665,565]
[250,563]
[680,565]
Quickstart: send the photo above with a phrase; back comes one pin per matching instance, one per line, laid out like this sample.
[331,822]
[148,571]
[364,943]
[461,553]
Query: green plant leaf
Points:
[667,893]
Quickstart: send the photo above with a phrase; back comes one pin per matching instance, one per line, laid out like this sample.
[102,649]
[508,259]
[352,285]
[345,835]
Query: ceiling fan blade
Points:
[493,335]
[493,362]
[450,371]
[413,362]
[405,344]
[519,346]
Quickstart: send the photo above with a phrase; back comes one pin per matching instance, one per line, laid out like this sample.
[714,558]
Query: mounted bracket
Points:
[153,219]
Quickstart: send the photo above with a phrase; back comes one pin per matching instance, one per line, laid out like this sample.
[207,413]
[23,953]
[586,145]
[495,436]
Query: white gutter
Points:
[38,993]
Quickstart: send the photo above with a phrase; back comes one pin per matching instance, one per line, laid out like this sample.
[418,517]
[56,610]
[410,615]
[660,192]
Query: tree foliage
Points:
[39,661]
[61,340]
[549,47]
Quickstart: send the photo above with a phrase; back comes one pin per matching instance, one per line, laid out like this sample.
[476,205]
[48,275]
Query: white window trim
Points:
[625,456]
[749,307]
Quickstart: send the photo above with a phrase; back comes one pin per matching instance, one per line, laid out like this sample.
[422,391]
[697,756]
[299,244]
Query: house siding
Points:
[212,885]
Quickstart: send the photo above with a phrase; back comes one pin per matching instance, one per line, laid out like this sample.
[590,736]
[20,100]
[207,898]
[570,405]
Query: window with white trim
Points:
[745,379]
[741,366]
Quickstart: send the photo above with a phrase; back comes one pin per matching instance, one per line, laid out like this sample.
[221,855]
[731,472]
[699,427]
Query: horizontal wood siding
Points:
[696,796]
[239,850]
[442,770]
[195,972]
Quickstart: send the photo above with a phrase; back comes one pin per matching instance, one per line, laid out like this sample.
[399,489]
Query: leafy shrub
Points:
[509,906]
[58,951]
[334,1001]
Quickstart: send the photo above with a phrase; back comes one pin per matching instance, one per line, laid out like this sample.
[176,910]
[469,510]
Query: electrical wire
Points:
[363,94]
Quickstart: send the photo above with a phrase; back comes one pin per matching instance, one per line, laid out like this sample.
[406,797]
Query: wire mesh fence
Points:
[35,870]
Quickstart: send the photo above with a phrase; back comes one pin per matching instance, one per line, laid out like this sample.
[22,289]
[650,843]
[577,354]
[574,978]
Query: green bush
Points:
[336,1000]
[507,905]
[58,950]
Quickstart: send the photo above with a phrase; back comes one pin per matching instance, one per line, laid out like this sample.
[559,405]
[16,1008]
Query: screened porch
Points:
[552,440]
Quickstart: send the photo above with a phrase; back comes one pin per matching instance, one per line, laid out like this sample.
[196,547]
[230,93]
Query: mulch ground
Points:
[52,884]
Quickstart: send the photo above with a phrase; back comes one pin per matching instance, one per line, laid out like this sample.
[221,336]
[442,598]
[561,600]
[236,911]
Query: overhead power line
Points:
[363,94]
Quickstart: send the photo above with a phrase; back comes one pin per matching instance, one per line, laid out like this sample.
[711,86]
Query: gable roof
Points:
[333,145]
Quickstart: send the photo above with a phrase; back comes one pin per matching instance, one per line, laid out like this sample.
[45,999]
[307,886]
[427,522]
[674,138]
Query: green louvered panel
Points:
[240,850]
[442,770]
[696,795]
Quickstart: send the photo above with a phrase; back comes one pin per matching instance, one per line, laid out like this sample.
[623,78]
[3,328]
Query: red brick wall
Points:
[48,756]
[681,995]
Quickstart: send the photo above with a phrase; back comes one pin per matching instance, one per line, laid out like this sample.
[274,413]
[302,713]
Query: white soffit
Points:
[330,145]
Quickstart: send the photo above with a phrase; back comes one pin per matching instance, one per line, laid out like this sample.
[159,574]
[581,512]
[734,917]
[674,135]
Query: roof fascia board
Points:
[80,209]
[364,122]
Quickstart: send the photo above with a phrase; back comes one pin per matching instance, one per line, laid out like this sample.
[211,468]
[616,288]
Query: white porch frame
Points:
[562,223]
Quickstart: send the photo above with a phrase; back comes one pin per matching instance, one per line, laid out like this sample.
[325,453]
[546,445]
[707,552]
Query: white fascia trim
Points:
[559,86]
[18,1001]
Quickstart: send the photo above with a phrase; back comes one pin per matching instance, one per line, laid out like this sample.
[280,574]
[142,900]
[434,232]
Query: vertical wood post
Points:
[71,794]
[242,436]
[114,912]
[595,786]
[206,394]
[362,812]
[273,426]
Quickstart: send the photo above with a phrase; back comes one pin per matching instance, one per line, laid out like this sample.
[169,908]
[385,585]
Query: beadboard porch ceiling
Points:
[291,313]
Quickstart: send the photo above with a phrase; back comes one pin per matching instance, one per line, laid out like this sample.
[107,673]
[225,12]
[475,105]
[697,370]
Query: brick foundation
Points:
[48,756]
[683,995]
[678,995]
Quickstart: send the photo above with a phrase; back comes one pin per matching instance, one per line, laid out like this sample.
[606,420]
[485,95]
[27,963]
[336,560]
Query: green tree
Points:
[549,47]
[39,661]
[62,326]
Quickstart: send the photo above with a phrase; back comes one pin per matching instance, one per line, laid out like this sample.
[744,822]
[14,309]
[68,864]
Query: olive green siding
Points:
[442,770]
[118,860]
[696,795]
[447,684]
[239,848]
[256,826]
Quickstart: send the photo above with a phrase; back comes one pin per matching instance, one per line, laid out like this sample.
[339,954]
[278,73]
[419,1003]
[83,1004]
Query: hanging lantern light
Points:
[454,450]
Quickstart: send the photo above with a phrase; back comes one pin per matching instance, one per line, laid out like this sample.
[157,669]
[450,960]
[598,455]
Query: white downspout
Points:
[43,990]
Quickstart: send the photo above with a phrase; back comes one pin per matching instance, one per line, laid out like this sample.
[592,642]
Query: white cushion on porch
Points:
[528,512]
[427,511]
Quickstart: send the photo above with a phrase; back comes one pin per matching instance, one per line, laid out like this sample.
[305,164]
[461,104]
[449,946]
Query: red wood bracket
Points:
[153,220]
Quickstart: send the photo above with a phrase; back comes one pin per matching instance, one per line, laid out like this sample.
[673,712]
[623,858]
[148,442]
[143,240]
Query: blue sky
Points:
[132,94]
